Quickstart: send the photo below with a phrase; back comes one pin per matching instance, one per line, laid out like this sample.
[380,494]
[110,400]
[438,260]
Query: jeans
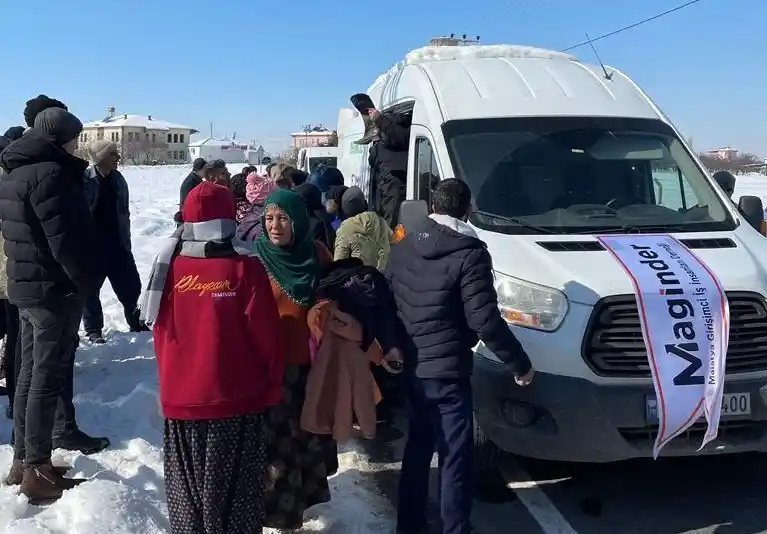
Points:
[11,348]
[441,418]
[45,377]
[126,283]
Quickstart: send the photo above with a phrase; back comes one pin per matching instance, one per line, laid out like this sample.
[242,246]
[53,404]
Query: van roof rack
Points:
[454,40]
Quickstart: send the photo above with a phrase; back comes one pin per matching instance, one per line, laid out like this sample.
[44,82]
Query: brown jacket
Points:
[340,384]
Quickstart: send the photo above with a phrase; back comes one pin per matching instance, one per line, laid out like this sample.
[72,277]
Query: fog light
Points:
[763,394]
[519,413]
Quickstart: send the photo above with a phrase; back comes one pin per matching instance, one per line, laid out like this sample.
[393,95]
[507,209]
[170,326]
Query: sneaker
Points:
[80,441]
[44,485]
[96,338]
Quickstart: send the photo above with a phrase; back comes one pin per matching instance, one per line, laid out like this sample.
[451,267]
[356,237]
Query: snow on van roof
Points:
[451,53]
[429,54]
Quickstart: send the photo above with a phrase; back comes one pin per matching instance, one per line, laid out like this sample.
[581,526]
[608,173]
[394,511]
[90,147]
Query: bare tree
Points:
[289,156]
[152,149]
[741,163]
[131,152]
[333,140]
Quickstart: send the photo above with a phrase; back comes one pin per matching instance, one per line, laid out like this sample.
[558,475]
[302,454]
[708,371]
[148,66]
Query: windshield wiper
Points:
[514,220]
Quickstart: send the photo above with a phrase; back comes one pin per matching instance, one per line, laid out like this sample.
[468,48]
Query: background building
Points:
[313,136]
[142,139]
[212,148]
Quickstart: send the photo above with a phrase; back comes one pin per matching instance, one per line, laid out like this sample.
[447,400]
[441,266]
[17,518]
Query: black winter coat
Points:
[388,168]
[363,293]
[443,285]
[190,182]
[49,234]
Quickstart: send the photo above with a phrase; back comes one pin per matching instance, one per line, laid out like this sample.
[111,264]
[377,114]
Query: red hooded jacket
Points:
[217,339]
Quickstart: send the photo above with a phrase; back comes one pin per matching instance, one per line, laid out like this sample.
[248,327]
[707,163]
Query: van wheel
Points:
[490,484]
[486,453]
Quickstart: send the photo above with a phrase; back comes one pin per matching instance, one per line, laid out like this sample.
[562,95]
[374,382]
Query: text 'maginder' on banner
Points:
[685,320]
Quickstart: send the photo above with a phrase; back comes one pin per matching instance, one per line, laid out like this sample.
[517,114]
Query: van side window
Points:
[426,169]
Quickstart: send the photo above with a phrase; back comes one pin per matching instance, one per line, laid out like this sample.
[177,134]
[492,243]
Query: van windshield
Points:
[582,175]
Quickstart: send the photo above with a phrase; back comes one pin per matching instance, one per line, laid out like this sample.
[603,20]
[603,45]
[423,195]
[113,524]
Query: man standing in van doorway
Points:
[388,164]
[432,271]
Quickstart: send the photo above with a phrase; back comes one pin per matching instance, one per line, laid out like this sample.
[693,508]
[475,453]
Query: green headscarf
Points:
[294,267]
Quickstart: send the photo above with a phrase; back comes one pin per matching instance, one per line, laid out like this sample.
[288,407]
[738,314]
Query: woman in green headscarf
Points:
[299,462]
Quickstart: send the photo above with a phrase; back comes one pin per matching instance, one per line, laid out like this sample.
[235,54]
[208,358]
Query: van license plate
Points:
[733,405]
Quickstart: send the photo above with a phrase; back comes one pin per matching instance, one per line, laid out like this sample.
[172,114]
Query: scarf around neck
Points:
[294,267]
[208,239]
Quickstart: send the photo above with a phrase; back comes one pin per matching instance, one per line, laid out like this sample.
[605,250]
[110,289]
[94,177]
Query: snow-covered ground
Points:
[116,396]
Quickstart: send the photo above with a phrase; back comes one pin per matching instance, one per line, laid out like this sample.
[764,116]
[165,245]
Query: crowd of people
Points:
[284,320]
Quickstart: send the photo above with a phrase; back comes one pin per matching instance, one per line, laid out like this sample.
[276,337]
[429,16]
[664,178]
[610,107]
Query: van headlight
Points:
[530,305]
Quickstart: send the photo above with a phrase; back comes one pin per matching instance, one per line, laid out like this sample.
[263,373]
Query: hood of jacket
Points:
[35,147]
[368,223]
[442,235]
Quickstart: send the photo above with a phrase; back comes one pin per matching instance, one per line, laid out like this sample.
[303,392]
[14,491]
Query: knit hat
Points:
[14,132]
[208,202]
[100,150]
[38,104]
[198,164]
[353,202]
[59,124]
[257,188]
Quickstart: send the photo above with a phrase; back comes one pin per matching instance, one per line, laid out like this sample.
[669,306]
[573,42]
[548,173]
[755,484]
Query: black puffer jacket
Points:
[47,226]
[443,285]
[388,167]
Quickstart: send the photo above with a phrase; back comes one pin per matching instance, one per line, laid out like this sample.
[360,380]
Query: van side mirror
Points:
[752,210]
[411,213]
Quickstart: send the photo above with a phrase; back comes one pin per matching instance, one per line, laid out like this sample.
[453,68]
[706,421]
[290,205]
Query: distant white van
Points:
[555,152]
[309,158]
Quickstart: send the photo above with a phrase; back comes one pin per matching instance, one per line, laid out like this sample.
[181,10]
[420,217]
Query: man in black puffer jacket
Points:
[442,278]
[52,264]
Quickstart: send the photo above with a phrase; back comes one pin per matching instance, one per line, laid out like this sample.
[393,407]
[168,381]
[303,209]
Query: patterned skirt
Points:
[299,463]
[214,475]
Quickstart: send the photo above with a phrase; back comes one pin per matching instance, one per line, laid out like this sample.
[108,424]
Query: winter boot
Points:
[43,484]
[16,474]
[371,132]
[136,324]
[80,441]
[96,338]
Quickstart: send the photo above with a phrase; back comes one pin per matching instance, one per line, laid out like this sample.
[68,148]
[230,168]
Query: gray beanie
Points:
[100,150]
[59,124]
[353,202]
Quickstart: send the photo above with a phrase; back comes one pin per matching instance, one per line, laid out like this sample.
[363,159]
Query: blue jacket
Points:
[123,201]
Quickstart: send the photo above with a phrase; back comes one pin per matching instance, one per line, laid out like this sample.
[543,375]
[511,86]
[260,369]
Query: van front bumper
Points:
[571,419]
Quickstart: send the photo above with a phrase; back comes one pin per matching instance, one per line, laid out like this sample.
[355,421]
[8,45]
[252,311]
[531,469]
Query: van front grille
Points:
[613,345]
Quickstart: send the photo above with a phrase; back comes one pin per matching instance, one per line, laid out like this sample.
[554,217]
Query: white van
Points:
[555,152]
[309,158]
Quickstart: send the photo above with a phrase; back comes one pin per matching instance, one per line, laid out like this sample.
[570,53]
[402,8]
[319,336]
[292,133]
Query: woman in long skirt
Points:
[220,359]
[299,463]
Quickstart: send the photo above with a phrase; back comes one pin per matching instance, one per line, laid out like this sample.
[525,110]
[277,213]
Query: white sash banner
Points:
[685,322]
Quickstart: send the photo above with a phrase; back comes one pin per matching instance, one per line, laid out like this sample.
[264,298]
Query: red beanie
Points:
[208,202]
